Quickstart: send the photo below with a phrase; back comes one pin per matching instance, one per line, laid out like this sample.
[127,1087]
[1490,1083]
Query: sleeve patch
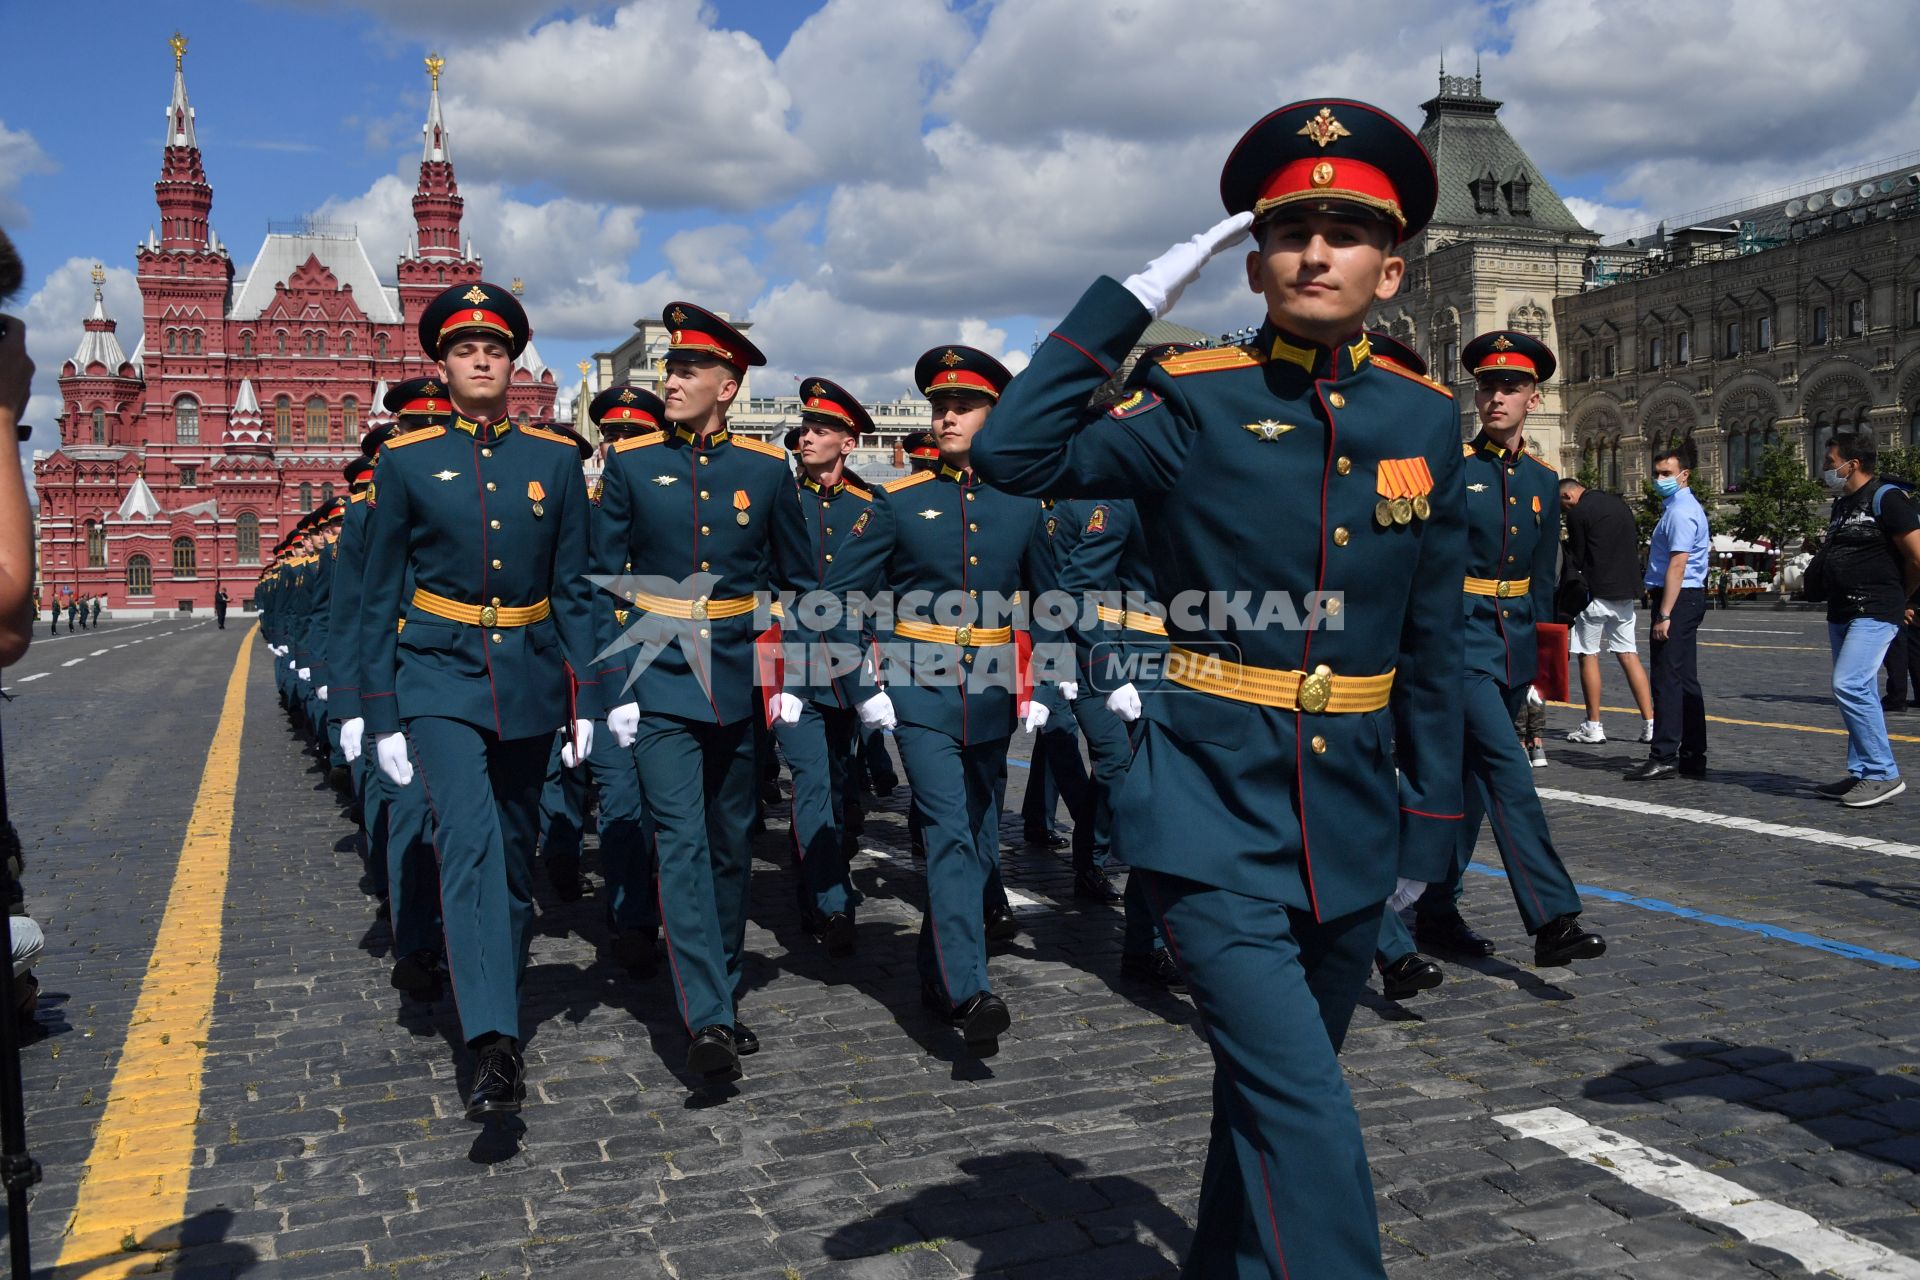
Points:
[1097,521]
[1139,402]
[860,525]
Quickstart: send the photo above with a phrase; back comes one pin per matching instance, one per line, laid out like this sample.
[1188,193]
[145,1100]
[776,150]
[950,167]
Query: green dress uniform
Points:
[1263,806]
[701,532]
[819,747]
[947,545]
[491,521]
[1513,550]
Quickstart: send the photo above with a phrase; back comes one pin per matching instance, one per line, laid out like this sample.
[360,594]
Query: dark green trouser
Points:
[957,791]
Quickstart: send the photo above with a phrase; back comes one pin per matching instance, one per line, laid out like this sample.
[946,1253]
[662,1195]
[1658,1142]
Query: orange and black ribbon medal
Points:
[538,493]
[740,504]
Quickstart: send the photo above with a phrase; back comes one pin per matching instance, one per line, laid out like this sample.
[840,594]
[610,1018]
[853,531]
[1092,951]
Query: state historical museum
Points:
[181,466]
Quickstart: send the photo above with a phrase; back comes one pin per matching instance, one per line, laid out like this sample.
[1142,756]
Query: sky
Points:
[864,179]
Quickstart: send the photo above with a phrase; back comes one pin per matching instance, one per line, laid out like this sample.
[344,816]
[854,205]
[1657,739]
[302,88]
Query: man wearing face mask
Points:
[1871,565]
[1676,582]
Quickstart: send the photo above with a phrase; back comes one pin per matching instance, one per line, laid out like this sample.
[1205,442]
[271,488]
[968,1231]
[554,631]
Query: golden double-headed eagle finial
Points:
[434,63]
[99,275]
[178,43]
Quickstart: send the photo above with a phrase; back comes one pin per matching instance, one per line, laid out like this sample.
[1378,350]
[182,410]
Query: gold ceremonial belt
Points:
[480,615]
[967,637]
[1501,588]
[702,607]
[1132,620]
[1315,693]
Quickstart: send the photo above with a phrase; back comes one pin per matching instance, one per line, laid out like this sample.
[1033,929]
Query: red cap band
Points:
[425,406]
[706,344]
[1326,178]
[1507,362]
[627,414]
[963,380]
[475,318]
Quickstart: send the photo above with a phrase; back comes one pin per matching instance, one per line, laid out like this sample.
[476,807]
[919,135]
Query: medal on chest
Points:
[740,504]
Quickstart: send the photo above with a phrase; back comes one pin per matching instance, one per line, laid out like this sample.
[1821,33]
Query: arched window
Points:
[326,492]
[316,421]
[183,559]
[346,343]
[380,345]
[350,419]
[196,341]
[246,537]
[246,343]
[306,496]
[186,420]
[523,418]
[283,420]
[96,545]
[173,342]
[99,425]
[279,342]
[139,576]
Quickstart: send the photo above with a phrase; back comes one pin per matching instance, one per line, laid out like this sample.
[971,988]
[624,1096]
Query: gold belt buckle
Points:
[1316,690]
[700,607]
[488,615]
[1502,589]
[963,637]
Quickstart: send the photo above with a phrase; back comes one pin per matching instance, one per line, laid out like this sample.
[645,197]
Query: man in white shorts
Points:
[1602,551]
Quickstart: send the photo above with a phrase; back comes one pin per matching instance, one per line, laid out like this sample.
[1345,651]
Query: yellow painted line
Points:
[1791,648]
[1751,724]
[133,1195]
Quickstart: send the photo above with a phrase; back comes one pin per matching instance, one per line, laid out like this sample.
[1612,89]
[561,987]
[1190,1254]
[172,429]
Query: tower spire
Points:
[179,110]
[183,194]
[435,129]
[436,200]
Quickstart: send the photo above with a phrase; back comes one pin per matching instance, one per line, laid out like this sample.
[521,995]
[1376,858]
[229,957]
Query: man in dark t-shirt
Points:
[1869,567]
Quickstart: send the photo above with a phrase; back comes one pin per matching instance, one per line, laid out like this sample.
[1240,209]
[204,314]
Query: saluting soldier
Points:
[491,522]
[1262,808]
[1513,551]
[967,550]
[820,740]
[710,523]
[320,640]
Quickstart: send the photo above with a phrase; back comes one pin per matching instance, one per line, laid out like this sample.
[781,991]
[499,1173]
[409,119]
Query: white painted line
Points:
[1015,898]
[1747,631]
[120,646]
[1810,835]
[74,662]
[1821,1249]
[38,675]
[97,652]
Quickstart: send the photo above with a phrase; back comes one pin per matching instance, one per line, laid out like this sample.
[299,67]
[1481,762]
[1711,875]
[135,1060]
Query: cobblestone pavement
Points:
[1771,1044]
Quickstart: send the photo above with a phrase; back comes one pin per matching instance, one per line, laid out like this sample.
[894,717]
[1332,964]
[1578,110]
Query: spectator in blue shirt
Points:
[1676,582]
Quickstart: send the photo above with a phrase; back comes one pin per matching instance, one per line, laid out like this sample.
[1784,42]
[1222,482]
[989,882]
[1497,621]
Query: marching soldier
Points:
[491,522]
[710,523]
[1263,809]
[1513,550]
[819,743]
[971,548]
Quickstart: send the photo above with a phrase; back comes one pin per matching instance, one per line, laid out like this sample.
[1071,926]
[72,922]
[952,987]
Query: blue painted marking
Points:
[1811,941]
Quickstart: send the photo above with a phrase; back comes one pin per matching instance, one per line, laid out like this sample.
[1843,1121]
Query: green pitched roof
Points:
[1470,147]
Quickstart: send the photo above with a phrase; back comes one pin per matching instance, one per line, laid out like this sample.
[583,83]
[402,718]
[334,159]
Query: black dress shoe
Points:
[883,787]
[417,974]
[1693,766]
[712,1052]
[1045,840]
[563,875]
[983,1019]
[499,1082]
[744,1041]
[1001,926]
[1651,770]
[634,951]
[340,778]
[1092,885]
[1449,935]
[1155,968]
[1563,941]
[839,934]
[1409,976]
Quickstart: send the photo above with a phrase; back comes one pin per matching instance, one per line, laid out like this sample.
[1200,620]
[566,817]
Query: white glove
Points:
[352,732]
[293,664]
[579,746]
[1069,689]
[786,709]
[305,673]
[321,693]
[1125,702]
[1404,893]
[1161,282]
[1533,697]
[390,753]
[1036,716]
[623,722]
[877,712]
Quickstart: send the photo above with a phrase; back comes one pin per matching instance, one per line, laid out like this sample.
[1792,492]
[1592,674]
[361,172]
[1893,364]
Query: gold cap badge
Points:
[678,317]
[475,294]
[1501,344]
[1322,175]
[627,397]
[950,359]
[1324,129]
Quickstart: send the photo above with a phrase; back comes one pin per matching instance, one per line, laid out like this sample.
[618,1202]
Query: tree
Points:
[1646,512]
[1899,462]
[1779,502]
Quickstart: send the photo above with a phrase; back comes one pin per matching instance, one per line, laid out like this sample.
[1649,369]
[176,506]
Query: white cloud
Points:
[436,17]
[53,318]
[1609,220]
[20,155]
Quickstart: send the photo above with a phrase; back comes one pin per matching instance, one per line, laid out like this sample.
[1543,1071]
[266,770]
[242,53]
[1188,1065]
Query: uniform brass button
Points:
[1343,465]
[704,495]
[1513,528]
[1337,400]
[975,591]
[967,657]
[829,528]
[493,524]
[703,459]
[704,530]
[1333,608]
[496,602]
[973,559]
[486,453]
[497,637]
[970,497]
[496,564]
[703,633]
[1340,537]
[973,528]
[829,557]
[1513,502]
[1319,745]
[705,565]
[1505,614]
[491,486]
